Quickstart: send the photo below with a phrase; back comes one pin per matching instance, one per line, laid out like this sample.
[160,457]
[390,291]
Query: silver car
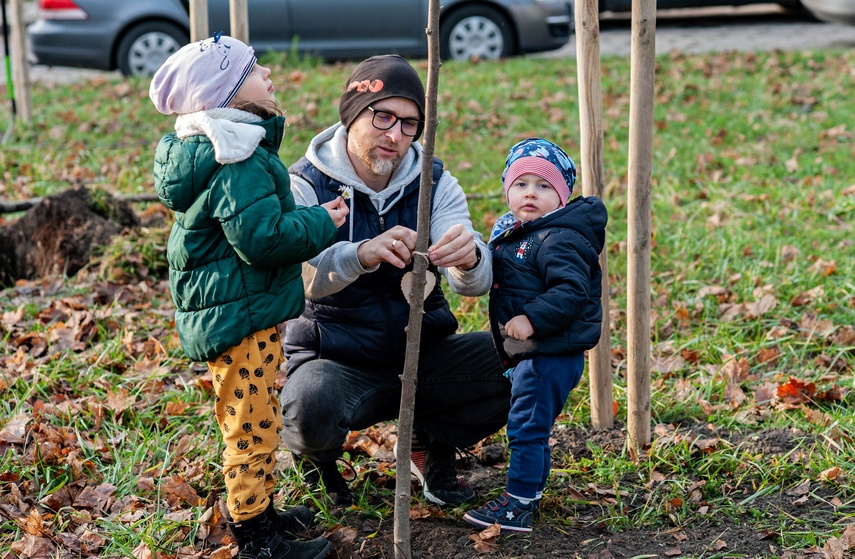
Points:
[136,36]
[835,11]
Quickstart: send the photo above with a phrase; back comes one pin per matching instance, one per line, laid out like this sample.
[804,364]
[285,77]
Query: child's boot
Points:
[258,538]
[293,521]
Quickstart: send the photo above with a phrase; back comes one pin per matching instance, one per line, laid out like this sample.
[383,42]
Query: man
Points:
[346,352]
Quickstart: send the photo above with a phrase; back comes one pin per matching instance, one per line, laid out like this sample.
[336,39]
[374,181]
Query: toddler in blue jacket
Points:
[545,311]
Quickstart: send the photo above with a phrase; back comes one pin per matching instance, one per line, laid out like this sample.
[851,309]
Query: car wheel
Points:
[476,32]
[145,47]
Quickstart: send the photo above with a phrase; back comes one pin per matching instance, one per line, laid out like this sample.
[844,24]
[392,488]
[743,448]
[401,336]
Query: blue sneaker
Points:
[506,511]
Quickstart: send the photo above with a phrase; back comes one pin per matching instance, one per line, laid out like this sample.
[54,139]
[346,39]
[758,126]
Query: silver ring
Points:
[394,242]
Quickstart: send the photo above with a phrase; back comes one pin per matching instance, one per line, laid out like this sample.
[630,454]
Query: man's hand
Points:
[455,248]
[519,327]
[394,246]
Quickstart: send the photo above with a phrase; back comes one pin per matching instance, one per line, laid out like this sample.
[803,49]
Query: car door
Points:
[268,23]
[357,28]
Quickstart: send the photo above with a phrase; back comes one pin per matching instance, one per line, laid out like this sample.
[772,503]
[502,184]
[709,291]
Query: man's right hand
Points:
[394,246]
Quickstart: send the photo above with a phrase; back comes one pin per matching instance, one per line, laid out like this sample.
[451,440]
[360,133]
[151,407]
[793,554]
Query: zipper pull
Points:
[382,223]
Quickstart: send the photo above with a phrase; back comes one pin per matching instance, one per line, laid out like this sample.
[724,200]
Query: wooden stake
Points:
[20,69]
[593,184]
[198,20]
[642,84]
[414,327]
[239,20]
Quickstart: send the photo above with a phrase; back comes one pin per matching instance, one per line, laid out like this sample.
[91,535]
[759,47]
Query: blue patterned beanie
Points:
[544,159]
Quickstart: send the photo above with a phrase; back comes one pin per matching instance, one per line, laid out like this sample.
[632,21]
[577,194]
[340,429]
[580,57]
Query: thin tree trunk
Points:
[642,89]
[414,327]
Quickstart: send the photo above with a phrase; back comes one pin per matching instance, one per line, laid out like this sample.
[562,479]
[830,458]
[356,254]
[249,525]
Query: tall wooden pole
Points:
[20,70]
[593,184]
[414,326]
[642,84]
[239,20]
[198,20]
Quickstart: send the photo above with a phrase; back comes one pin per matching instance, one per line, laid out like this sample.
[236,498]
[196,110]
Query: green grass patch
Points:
[752,322]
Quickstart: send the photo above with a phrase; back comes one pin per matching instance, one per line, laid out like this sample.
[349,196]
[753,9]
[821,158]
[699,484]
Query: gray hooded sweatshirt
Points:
[338,266]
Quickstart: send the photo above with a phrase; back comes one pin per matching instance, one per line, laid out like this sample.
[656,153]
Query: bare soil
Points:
[581,530]
[61,234]
[65,231]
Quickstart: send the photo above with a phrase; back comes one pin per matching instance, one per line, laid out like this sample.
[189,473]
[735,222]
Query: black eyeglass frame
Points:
[420,124]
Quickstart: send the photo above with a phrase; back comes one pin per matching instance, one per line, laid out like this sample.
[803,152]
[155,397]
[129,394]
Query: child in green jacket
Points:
[235,254]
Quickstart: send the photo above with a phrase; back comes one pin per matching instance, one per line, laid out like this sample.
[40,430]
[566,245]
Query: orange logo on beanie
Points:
[372,86]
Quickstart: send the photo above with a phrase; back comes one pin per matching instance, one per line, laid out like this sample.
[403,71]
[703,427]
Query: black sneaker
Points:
[441,484]
[325,476]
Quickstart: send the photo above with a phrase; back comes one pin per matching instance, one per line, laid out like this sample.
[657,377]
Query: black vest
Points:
[364,323]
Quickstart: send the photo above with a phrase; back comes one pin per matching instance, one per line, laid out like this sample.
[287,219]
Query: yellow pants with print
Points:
[247,412]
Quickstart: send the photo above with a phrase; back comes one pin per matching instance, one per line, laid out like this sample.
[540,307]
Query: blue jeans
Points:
[461,397]
[540,389]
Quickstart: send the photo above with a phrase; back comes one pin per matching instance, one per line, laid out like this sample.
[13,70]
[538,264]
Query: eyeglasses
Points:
[384,120]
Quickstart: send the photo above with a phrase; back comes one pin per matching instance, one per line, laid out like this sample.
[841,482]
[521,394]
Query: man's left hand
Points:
[455,248]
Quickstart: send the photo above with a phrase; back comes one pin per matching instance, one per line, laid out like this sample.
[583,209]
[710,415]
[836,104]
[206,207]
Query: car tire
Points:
[479,32]
[145,47]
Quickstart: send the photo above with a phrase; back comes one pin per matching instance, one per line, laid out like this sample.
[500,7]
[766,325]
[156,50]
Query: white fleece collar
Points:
[230,130]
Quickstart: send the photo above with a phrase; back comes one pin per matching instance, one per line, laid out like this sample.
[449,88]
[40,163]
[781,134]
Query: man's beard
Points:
[379,166]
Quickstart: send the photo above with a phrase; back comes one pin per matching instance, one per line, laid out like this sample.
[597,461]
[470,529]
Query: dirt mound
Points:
[61,234]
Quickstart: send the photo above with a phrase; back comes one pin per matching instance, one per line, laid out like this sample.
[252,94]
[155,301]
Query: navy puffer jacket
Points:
[548,270]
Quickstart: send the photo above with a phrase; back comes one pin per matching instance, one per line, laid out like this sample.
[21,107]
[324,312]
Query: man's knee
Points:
[310,412]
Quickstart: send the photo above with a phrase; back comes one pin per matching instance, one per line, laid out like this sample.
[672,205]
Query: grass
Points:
[752,266]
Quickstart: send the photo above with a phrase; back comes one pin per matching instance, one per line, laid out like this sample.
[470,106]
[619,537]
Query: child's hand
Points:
[519,328]
[337,209]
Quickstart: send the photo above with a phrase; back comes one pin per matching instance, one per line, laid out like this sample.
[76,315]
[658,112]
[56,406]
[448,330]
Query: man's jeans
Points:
[461,398]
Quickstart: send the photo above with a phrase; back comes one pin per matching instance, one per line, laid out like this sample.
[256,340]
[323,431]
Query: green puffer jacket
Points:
[236,248]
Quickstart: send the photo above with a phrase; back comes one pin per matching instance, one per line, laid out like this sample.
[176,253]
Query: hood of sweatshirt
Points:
[328,152]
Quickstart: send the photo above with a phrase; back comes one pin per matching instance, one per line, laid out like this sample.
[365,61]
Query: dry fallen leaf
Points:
[485,541]
[802,489]
[830,474]
[733,394]
[418,511]
[120,400]
[342,538]
[32,547]
[795,391]
[13,432]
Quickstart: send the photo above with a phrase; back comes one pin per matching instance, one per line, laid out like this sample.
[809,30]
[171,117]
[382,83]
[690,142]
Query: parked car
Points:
[626,5]
[136,36]
[836,11]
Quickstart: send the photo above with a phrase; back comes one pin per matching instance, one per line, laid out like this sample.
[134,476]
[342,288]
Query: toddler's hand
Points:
[337,209]
[519,327]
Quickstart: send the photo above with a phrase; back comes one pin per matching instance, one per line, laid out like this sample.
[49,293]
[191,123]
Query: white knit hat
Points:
[202,75]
